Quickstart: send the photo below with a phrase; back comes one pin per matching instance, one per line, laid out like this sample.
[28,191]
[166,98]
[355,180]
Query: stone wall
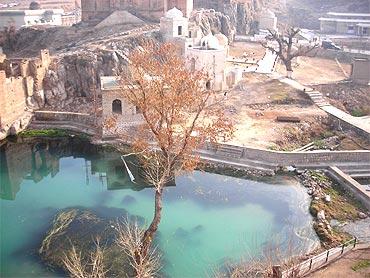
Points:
[120,121]
[21,84]
[350,184]
[276,159]
[64,116]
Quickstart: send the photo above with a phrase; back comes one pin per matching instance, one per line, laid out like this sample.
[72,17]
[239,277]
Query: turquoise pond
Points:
[208,219]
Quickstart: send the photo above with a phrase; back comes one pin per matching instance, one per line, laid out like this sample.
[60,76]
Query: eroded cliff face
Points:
[73,77]
[211,21]
[241,13]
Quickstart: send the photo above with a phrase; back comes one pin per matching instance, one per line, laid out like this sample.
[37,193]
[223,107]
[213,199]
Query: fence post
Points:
[310,263]
[276,271]
[327,256]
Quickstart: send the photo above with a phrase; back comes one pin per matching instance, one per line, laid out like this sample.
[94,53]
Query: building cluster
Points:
[346,23]
[200,52]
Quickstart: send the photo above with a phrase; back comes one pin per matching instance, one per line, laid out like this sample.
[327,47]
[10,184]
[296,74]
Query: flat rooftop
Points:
[109,83]
[349,14]
[344,20]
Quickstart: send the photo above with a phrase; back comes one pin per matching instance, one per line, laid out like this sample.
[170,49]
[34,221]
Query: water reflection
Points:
[207,217]
[28,159]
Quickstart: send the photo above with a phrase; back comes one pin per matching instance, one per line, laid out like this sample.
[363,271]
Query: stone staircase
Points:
[317,98]
[229,151]
[357,171]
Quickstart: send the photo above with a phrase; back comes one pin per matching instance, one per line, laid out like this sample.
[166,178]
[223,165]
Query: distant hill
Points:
[67,5]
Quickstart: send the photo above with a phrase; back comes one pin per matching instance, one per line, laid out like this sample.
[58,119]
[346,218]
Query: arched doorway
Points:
[117,106]
[208,85]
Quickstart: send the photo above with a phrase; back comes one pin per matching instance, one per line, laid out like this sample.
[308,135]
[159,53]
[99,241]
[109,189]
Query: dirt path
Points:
[343,267]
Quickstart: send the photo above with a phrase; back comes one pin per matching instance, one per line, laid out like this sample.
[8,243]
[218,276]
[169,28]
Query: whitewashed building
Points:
[24,18]
[207,53]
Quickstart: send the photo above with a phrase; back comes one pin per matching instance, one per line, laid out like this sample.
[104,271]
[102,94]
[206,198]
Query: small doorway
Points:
[117,106]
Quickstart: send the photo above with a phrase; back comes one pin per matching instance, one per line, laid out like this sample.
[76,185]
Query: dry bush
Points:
[281,252]
[93,268]
[129,238]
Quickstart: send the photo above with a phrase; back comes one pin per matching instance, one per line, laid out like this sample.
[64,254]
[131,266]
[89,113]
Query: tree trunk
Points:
[289,69]
[288,65]
[152,229]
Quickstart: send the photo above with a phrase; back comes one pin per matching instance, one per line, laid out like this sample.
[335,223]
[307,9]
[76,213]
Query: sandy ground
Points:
[315,70]
[342,267]
[256,102]
[248,49]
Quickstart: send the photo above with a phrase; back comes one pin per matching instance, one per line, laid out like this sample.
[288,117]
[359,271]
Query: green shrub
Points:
[44,133]
[360,265]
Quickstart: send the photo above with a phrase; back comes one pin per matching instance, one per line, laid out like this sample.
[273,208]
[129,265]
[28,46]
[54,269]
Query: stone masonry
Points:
[21,90]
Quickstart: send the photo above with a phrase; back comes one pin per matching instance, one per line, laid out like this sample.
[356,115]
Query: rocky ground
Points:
[348,96]
[331,206]
[316,70]
[355,264]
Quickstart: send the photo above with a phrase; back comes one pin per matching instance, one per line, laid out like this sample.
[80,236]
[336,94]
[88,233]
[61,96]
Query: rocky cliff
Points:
[211,21]
[241,13]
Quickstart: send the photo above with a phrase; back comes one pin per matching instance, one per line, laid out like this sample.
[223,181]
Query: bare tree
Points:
[179,114]
[282,44]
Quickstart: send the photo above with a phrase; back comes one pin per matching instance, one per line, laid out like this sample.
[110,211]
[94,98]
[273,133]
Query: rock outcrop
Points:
[242,15]
[211,21]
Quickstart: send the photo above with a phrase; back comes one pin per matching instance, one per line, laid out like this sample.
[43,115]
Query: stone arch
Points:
[117,106]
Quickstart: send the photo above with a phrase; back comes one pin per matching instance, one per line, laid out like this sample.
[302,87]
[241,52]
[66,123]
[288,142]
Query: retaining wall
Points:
[64,116]
[350,184]
[342,124]
[318,159]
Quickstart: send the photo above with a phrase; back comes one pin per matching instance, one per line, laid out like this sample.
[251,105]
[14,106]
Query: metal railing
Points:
[319,260]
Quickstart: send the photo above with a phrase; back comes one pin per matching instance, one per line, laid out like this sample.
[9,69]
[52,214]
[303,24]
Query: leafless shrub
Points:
[277,252]
[129,238]
[93,268]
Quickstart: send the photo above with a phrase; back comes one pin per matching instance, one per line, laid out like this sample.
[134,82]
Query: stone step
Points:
[353,168]
[229,151]
[315,95]
[360,175]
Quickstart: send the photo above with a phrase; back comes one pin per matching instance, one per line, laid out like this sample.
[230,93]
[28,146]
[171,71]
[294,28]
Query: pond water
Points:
[208,219]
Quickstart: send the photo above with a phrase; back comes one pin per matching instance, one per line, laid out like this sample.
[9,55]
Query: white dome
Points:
[210,42]
[174,13]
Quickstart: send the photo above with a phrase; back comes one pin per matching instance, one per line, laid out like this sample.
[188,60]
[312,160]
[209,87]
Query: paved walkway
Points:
[342,268]
[362,123]
[267,63]
[360,229]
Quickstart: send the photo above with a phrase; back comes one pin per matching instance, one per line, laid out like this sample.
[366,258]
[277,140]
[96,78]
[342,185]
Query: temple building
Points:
[207,53]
